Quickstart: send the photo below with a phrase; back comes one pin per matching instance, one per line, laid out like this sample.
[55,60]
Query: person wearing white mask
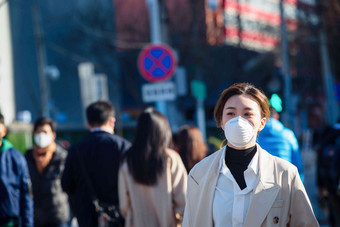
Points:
[46,162]
[241,184]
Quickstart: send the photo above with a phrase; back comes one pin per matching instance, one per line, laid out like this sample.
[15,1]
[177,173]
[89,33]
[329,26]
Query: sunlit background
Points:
[56,57]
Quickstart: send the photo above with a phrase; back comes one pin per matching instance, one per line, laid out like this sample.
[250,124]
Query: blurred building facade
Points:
[235,41]
[255,25]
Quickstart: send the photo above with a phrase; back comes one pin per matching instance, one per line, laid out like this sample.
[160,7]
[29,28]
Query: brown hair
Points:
[190,145]
[241,89]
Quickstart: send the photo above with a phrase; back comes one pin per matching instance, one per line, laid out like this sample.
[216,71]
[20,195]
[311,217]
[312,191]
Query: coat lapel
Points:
[211,182]
[265,192]
[203,195]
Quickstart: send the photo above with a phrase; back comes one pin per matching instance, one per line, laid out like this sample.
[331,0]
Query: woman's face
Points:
[247,108]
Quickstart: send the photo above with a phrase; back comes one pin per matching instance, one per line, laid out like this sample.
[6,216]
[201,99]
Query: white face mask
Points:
[42,139]
[239,132]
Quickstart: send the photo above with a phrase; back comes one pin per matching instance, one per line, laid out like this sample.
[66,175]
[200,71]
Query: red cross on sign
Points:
[157,62]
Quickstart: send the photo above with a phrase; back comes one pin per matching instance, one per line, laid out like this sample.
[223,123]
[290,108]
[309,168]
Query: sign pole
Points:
[288,112]
[41,58]
[155,23]
[201,118]
[156,38]
[332,106]
[199,91]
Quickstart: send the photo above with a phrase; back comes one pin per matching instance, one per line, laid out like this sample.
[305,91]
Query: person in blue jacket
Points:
[16,205]
[281,142]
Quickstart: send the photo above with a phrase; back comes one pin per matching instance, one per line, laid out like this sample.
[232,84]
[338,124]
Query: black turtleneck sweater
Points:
[238,161]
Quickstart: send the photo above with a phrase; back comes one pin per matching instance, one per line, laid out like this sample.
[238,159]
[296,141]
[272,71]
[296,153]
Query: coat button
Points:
[276,220]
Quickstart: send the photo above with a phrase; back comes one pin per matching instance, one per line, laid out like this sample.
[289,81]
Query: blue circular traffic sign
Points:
[157,62]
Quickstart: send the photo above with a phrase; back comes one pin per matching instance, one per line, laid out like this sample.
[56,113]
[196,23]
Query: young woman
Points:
[152,178]
[242,184]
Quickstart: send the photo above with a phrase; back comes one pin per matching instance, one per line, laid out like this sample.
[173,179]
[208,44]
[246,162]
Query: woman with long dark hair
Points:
[152,177]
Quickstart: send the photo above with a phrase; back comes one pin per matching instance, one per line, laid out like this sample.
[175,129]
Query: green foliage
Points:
[20,140]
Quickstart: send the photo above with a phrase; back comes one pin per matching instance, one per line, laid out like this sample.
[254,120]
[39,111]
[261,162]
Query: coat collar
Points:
[264,193]
[5,145]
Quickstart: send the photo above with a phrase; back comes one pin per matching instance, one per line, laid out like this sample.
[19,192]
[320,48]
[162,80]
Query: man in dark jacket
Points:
[46,161]
[91,168]
[16,205]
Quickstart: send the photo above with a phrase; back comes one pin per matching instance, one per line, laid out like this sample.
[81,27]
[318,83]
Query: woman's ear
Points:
[222,126]
[262,124]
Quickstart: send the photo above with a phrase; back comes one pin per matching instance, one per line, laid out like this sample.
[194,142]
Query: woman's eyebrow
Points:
[233,108]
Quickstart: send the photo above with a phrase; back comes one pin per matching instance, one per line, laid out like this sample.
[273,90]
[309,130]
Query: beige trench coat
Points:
[161,205]
[278,200]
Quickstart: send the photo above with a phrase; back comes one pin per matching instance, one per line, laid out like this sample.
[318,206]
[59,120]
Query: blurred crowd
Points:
[104,180]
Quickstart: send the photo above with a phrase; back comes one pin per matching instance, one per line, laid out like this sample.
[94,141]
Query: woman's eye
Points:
[230,114]
[248,114]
